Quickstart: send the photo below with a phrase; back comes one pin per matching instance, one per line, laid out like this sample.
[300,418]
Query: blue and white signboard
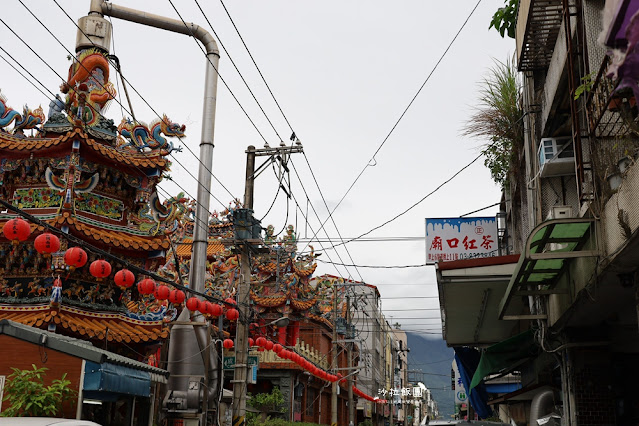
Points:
[460,238]
[461,397]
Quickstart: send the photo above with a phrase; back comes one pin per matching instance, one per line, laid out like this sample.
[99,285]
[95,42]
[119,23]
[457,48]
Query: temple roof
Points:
[113,327]
[183,248]
[118,238]
[122,156]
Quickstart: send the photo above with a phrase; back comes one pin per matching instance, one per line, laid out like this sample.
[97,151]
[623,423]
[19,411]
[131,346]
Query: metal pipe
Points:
[157,21]
[200,235]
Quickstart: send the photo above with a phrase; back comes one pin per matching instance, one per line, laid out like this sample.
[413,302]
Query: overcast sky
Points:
[343,72]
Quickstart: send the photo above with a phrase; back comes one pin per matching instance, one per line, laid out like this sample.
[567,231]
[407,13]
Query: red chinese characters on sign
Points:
[451,239]
[486,243]
[436,244]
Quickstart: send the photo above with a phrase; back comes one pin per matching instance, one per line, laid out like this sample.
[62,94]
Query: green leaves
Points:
[30,397]
[267,402]
[498,118]
[587,81]
[505,19]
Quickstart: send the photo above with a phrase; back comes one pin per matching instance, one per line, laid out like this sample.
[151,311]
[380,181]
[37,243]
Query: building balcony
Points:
[538,25]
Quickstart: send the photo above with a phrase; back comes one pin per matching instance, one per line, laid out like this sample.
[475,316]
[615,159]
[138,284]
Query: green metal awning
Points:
[504,356]
[548,249]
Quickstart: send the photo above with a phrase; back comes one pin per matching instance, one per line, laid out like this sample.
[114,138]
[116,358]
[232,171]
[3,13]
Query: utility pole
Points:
[334,365]
[392,374]
[241,336]
[349,354]
[248,223]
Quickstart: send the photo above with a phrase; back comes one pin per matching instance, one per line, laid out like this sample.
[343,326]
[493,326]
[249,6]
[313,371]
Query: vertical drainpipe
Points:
[184,349]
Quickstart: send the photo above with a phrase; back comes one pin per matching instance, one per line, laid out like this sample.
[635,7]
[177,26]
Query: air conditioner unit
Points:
[558,212]
[556,157]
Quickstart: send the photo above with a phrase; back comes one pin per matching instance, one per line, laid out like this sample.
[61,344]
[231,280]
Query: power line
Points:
[379,266]
[234,65]
[273,96]
[330,216]
[478,210]
[145,101]
[255,63]
[373,160]
[218,74]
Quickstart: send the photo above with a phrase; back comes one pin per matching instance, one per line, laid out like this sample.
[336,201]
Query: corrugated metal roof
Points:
[76,347]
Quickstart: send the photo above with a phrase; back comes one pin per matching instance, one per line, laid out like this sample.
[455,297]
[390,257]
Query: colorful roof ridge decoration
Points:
[113,327]
[131,158]
[116,238]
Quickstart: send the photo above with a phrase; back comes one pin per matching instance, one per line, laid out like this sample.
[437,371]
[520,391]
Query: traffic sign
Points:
[229,362]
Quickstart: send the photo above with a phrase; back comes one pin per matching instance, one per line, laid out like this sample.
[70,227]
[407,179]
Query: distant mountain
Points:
[434,359]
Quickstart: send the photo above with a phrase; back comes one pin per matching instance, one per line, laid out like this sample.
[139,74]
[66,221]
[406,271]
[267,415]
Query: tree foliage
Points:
[268,402]
[498,118]
[505,18]
[28,396]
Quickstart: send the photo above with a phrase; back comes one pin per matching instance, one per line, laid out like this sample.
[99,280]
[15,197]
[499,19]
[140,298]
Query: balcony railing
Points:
[538,25]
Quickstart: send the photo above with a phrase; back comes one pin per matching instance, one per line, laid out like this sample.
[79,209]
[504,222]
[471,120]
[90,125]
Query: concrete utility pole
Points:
[242,329]
[334,365]
[241,337]
[349,354]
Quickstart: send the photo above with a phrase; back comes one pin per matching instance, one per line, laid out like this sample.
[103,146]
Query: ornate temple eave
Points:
[113,237]
[112,327]
[184,248]
[132,158]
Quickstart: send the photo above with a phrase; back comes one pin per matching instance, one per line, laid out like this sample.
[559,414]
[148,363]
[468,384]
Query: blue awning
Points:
[113,378]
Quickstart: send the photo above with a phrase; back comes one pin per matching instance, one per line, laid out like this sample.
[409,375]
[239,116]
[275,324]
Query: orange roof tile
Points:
[184,248]
[116,238]
[92,325]
[136,159]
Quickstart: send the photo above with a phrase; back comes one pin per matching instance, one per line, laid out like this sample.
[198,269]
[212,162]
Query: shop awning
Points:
[504,356]
[549,247]
[469,294]
[113,378]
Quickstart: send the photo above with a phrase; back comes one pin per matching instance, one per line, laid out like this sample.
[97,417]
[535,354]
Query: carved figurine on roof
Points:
[280,278]
[70,173]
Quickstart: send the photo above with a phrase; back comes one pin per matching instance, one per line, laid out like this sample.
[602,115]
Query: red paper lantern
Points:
[228,343]
[124,278]
[251,342]
[268,345]
[277,348]
[16,230]
[216,310]
[205,307]
[75,257]
[46,244]
[176,297]
[193,304]
[100,269]
[231,301]
[146,286]
[162,292]
[232,314]
[260,341]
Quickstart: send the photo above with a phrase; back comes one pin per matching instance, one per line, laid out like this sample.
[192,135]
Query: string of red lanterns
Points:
[265,344]
[18,230]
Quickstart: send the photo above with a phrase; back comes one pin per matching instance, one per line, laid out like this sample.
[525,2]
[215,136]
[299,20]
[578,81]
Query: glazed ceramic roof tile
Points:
[132,158]
[116,238]
[92,325]
[184,248]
